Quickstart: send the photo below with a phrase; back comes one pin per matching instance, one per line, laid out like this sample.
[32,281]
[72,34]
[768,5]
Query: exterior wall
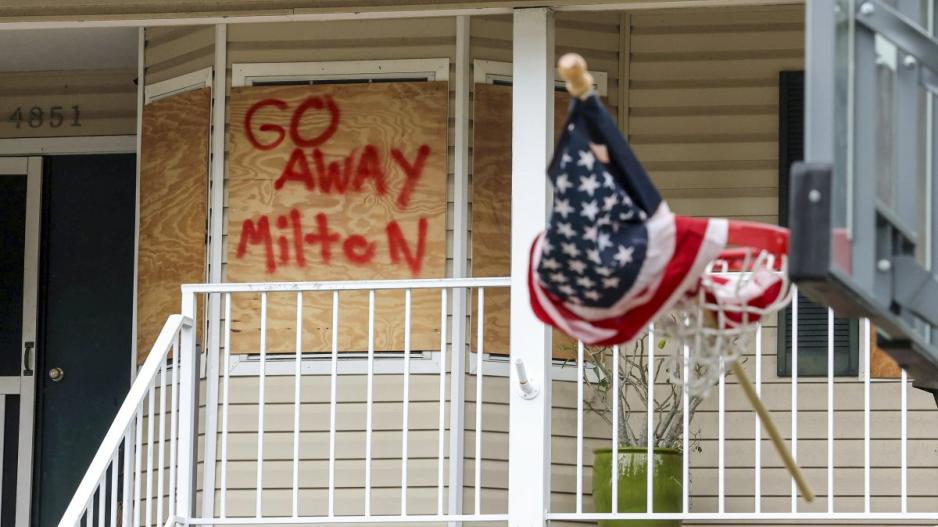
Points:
[700,105]
[106,100]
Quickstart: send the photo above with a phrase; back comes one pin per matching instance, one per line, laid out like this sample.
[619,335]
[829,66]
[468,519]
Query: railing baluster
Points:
[721,439]
[138,453]
[615,430]
[126,513]
[830,410]
[89,512]
[226,394]
[406,405]
[161,457]
[151,416]
[757,486]
[332,400]
[369,404]
[115,473]
[904,443]
[442,430]
[480,349]
[685,427]
[297,366]
[865,338]
[579,427]
[794,394]
[262,376]
[173,426]
[649,504]
[102,494]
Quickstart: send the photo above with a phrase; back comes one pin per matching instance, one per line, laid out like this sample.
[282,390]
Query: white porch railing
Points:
[117,468]
[275,454]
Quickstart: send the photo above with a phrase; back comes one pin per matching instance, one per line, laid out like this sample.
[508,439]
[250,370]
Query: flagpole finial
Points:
[572,69]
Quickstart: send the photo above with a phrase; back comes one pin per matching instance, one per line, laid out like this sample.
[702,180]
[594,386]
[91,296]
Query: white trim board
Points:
[374,13]
[98,144]
[418,69]
[190,81]
[349,363]
[489,71]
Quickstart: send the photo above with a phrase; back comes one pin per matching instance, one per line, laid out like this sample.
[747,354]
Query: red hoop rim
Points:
[747,237]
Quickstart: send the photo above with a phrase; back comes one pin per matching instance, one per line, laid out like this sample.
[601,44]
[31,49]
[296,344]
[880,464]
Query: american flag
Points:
[613,257]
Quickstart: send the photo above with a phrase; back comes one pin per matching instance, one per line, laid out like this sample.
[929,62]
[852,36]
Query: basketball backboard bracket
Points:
[861,206]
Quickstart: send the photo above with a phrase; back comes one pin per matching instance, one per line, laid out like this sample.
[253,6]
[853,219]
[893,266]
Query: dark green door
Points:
[86,307]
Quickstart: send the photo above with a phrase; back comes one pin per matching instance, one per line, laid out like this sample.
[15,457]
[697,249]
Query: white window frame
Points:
[417,69]
[350,363]
[187,82]
[489,72]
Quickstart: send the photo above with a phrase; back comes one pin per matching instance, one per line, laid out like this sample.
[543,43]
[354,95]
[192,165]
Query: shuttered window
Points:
[812,317]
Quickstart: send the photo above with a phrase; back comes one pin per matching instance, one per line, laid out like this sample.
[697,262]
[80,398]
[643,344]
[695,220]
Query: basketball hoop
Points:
[715,323]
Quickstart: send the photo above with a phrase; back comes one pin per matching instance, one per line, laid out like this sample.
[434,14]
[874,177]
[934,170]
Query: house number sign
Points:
[44,116]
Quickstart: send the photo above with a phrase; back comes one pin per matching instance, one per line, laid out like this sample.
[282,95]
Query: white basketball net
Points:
[711,328]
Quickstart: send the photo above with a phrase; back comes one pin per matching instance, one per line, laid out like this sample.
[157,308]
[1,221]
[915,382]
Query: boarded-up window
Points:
[337,182]
[173,204]
[491,209]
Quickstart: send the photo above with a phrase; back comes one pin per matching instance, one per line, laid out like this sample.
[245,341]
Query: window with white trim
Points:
[339,72]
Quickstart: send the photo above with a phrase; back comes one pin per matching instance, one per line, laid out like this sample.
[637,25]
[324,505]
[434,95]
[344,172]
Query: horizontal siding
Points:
[703,117]
[106,100]
[175,51]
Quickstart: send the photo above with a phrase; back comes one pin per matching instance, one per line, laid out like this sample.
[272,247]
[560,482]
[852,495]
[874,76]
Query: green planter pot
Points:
[633,465]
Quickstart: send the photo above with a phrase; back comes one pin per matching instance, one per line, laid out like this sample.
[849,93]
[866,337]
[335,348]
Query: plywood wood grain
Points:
[173,203]
[491,210]
[337,182]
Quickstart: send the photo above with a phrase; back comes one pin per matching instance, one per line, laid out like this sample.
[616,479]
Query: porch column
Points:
[531,143]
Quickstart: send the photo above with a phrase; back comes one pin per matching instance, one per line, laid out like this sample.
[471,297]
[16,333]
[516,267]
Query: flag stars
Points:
[546,247]
[592,295]
[570,250]
[624,255]
[566,289]
[585,281]
[604,242]
[587,159]
[563,182]
[611,282]
[590,233]
[610,201]
[578,266]
[552,264]
[565,158]
[593,255]
[590,210]
[566,229]
[603,270]
[562,207]
[560,278]
[608,182]
[588,184]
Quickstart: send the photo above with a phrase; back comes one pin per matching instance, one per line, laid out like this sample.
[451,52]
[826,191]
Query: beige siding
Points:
[107,101]
[701,100]
[175,51]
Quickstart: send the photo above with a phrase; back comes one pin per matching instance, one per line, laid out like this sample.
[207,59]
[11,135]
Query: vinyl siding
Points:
[701,106]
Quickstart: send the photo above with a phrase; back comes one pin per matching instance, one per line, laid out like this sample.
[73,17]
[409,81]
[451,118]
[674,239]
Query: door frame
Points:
[22,157]
[25,384]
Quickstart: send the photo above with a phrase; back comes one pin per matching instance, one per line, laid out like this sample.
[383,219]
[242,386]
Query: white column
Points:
[217,204]
[532,139]
[460,233]
[188,364]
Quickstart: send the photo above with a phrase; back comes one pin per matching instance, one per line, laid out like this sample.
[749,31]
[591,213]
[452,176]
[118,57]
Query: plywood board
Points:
[491,210]
[337,182]
[173,205]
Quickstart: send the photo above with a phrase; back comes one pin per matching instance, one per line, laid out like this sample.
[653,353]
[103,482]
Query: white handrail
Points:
[123,419]
[349,285]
